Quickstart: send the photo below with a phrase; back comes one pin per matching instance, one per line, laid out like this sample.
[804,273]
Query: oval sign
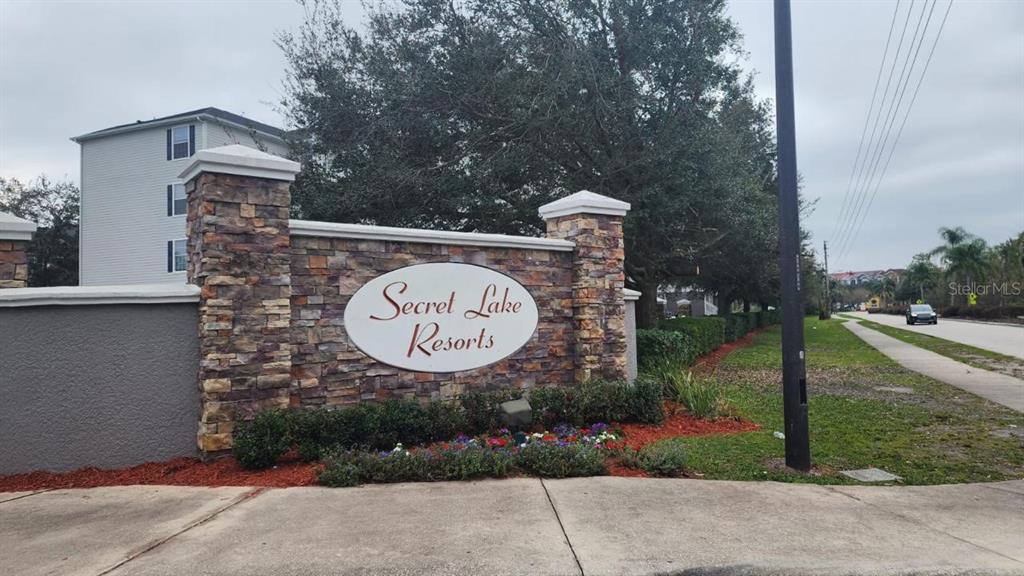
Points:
[441,317]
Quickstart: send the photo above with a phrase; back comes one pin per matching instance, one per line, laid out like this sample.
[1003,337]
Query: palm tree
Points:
[953,237]
[963,255]
[922,274]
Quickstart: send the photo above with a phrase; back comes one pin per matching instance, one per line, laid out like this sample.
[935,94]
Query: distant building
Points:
[865,276]
[133,204]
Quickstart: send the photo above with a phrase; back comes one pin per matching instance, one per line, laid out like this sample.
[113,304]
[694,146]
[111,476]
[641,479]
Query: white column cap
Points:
[583,202]
[241,160]
[14,228]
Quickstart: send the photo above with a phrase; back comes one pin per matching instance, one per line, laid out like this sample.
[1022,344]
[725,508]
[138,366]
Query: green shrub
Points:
[701,396]
[483,409]
[647,400]
[550,404]
[339,473]
[664,458]
[664,347]
[258,443]
[735,327]
[402,421]
[596,401]
[665,374]
[707,333]
[472,462]
[554,461]
[601,401]
[447,420]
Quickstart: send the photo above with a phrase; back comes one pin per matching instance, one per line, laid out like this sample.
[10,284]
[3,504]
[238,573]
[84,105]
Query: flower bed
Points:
[564,452]
[292,471]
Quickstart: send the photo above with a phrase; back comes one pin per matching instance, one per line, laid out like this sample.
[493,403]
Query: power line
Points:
[885,94]
[905,76]
[867,119]
[903,79]
[913,99]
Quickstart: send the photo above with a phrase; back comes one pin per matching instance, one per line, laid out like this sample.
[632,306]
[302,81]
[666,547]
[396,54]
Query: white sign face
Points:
[441,317]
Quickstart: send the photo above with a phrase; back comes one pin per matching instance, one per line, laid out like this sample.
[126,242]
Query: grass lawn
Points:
[925,431]
[977,357]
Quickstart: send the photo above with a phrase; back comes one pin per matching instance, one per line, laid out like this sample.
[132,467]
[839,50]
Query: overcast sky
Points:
[67,68]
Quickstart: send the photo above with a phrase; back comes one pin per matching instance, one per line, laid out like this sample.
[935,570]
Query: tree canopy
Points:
[469,115]
[54,207]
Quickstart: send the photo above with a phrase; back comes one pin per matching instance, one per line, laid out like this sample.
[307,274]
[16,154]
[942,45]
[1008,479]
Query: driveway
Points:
[521,526]
[1002,338]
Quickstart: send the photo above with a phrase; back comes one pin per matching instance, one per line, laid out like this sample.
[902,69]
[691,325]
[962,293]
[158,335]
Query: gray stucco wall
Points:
[97,385]
[631,368]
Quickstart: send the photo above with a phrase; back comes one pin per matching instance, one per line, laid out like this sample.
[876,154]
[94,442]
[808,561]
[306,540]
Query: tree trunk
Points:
[647,311]
[725,303]
[746,305]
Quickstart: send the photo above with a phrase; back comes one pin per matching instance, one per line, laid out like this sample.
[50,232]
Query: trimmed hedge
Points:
[706,333]
[598,401]
[657,346]
[680,341]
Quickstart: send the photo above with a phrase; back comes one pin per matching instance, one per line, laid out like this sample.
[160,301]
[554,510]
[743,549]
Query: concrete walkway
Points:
[999,388]
[525,526]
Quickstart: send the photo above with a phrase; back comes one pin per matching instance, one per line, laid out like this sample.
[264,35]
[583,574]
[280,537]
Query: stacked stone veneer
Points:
[239,257]
[598,281]
[271,330]
[13,263]
[329,369]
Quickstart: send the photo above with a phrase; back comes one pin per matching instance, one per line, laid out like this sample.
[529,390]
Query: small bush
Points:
[483,409]
[596,401]
[665,458]
[447,420]
[259,442]
[601,401]
[472,462]
[701,396]
[554,461]
[550,404]
[402,422]
[647,400]
[664,347]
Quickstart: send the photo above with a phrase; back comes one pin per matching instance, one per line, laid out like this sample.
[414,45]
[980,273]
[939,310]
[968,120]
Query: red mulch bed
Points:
[293,472]
[708,363]
[177,472]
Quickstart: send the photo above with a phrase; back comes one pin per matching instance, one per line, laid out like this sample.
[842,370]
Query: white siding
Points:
[222,134]
[124,226]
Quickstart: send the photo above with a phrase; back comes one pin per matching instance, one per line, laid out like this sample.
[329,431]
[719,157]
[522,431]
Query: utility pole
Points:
[794,376]
[826,313]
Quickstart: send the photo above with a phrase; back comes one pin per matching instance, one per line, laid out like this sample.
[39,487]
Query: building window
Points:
[177,201]
[177,257]
[181,142]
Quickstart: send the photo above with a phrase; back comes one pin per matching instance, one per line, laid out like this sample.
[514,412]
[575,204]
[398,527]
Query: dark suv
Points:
[921,313]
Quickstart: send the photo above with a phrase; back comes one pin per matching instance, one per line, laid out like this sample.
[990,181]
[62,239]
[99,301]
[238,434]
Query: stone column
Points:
[15,234]
[238,254]
[594,223]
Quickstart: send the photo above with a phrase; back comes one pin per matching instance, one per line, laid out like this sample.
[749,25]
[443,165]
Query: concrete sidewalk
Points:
[522,526]
[999,388]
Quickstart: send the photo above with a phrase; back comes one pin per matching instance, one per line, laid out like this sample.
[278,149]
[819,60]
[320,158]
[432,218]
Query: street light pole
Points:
[827,312]
[794,376]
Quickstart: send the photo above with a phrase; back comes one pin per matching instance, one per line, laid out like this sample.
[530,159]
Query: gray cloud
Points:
[72,67]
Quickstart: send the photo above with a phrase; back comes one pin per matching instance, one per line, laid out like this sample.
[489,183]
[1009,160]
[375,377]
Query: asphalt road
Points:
[1002,338]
